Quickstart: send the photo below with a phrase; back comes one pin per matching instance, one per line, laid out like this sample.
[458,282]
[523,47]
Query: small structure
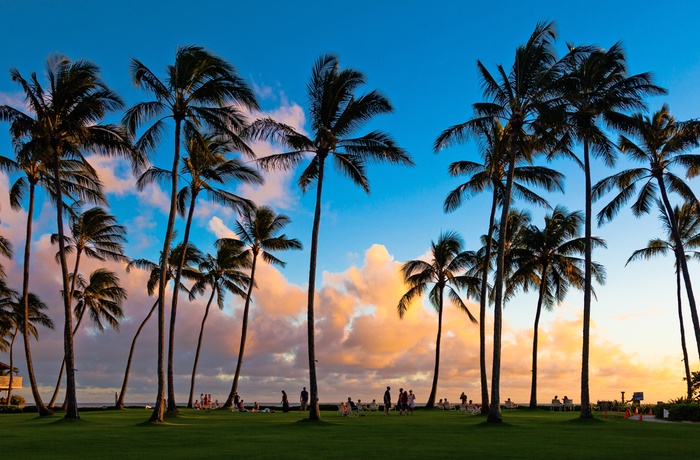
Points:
[5,379]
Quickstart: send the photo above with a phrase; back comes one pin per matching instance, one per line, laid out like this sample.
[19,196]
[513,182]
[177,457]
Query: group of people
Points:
[564,404]
[205,402]
[405,402]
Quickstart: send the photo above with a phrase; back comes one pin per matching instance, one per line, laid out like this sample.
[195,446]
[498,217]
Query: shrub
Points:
[11,409]
[17,400]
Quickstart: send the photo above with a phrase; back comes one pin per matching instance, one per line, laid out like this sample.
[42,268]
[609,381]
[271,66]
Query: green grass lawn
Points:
[427,434]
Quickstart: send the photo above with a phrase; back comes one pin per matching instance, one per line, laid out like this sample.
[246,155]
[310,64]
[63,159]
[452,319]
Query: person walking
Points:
[304,400]
[387,400]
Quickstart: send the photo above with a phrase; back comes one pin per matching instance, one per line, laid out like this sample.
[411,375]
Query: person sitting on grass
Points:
[344,408]
[241,408]
[256,407]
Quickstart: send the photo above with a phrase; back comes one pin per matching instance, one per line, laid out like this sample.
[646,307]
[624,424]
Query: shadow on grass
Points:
[585,421]
[307,422]
[68,421]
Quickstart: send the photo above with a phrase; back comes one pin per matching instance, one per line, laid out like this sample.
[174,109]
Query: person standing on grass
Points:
[304,400]
[411,401]
[403,399]
[285,402]
[387,400]
[463,398]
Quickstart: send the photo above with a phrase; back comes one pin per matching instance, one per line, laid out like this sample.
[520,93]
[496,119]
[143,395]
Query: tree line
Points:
[543,106]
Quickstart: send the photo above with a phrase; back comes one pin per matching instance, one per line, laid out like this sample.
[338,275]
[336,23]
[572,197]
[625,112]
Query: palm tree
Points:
[12,310]
[67,125]
[258,231]
[205,166]
[222,273]
[95,233]
[193,257]
[548,262]
[662,143]
[200,89]
[79,182]
[445,270]
[335,114]
[521,97]
[493,144]
[596,86]
[688,226]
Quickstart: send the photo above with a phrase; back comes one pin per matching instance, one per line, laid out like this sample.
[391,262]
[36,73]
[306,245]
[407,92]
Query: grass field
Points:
[427,434]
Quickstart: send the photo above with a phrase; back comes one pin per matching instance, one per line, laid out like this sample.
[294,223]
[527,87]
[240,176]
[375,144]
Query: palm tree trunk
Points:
[244,326]
[172,407]
[680,258]
[71,400]
[535,337]
[482,305]
[63,363]
[314,413]
[122,393]
[199,347]
[495,415]
[12,366]
[433,390]
[43,410]
[60,373]
[159,406]
[587,287]
[683,346]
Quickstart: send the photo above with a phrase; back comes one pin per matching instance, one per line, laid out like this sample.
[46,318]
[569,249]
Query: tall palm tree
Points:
[66,126]
[193,257]
[79,182]
[595,87]
[205,165]
[548,262]
[661,145]
[335,114]
[200,89]
[12,310]
[222,273]
[522,98]
[259,231]
[493,144]
[445,271]
[688,226]
[96,234]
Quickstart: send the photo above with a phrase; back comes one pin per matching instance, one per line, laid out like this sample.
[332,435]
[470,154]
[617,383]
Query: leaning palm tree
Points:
[258,231]
[661,144]
[335,114]
[96,234]
[193,258]
[493,144]
[101,297]
[595,87]
[204,166]
[200,89]
[221,273]
[522,97]
[445,271]
[547,261]
[67,126]
[13,308]
[688,223]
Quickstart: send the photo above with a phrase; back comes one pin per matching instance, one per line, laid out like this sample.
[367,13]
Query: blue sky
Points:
[422,56]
